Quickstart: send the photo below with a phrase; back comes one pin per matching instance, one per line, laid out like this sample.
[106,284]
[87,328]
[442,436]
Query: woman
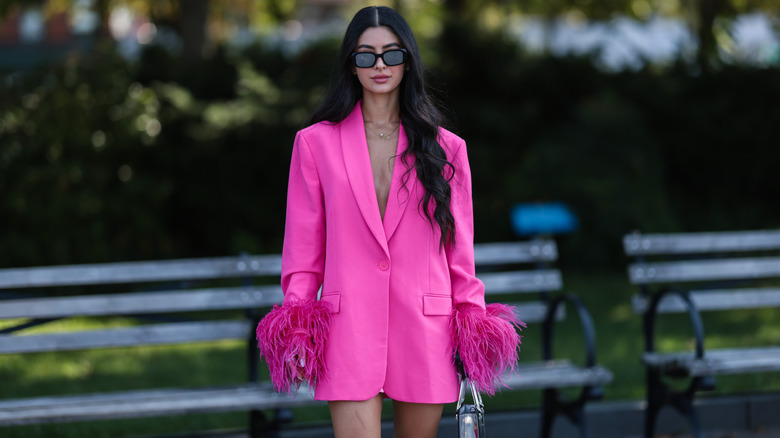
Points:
[379,216]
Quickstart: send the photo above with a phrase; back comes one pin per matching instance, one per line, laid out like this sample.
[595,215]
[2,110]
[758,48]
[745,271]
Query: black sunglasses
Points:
[368,59]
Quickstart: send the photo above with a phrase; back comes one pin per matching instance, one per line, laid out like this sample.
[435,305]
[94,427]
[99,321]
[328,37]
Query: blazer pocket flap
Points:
[437,305]
[334,300]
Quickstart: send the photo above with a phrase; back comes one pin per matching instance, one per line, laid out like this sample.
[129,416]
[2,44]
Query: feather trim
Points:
[292,339]
[486,341]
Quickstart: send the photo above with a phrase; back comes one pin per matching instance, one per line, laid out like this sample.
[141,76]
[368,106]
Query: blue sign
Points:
[542,218]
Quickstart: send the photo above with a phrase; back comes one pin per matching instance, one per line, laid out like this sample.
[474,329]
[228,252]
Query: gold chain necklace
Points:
[382,135]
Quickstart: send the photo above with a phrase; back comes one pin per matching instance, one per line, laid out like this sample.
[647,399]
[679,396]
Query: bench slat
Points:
[550,374]
[129,272]
[142,302]
[701,270]
[714,299]
[689,243]
[725,361]
[204,299]
[515,252]
[146,403]
[153,334]
[556,374]
[521,281]
[534,312]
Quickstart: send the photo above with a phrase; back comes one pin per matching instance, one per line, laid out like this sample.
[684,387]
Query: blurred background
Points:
[152,129]
[139,129]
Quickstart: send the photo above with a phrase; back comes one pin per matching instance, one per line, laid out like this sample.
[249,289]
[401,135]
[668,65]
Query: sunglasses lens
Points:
[368,59]
[393,57]
[364,59]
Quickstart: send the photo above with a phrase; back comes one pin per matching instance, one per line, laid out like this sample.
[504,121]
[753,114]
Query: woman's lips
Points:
[380,79]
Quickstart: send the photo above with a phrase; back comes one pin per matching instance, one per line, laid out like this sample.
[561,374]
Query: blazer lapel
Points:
[358,164]
[400,191]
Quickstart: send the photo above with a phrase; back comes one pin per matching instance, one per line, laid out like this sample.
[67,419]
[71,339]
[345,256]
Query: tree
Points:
[706,18]
[192,28]
[708,12]
[7,6]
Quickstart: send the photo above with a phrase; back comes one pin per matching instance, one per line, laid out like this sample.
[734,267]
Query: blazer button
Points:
[383,265]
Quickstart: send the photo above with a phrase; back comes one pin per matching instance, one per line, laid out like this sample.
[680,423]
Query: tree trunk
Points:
[103,11]
[455,10]
[192,26]
[708,11]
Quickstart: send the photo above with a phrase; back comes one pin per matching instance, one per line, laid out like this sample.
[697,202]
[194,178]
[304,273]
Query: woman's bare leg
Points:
[357,419]
[416,420]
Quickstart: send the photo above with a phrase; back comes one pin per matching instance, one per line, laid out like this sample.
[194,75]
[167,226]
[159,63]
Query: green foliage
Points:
[651,150]
[102,160]
[69,138]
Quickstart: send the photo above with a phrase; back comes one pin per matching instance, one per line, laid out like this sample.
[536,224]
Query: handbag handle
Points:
[475,395]
[464,381]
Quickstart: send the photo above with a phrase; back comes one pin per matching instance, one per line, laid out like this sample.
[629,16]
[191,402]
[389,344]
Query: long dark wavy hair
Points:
[420,116]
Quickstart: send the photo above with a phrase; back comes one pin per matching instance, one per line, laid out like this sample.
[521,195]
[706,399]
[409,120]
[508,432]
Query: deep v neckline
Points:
[383,160]
[357,165]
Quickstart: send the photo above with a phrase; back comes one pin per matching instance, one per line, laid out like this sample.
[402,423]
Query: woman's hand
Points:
[297,365]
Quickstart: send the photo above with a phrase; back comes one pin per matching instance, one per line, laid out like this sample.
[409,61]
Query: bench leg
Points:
[659,395]
[555,403]
[683,402]
[651,416]
[547,423]
[656,391]
[259,426]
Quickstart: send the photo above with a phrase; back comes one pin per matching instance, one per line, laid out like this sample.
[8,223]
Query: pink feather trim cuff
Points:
[292,339]
[487,342]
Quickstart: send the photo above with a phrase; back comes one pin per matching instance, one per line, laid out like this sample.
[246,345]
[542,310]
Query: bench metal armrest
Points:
[586,322]
[693,315]
[589,392]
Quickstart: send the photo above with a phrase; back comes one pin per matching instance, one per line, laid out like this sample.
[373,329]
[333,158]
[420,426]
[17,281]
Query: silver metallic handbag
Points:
[470,417]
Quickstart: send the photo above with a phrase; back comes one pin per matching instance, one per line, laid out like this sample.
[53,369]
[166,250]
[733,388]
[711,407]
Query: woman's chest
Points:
[382,158]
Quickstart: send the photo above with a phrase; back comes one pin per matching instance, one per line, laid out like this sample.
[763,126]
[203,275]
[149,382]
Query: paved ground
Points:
[766,433]
[748,416]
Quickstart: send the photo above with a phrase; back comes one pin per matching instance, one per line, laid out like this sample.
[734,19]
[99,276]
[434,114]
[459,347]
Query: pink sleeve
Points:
[303,255]
[485,338]
[292,336]
[466,287]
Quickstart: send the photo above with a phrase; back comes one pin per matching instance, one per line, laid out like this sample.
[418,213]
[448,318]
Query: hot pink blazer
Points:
[390,288]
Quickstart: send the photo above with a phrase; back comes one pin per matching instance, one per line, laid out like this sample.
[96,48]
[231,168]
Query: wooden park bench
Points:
[692,273]
[186,293]
[525,269]
[201,300]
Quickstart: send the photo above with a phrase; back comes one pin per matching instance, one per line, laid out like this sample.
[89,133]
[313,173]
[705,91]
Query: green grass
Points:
[607,296]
